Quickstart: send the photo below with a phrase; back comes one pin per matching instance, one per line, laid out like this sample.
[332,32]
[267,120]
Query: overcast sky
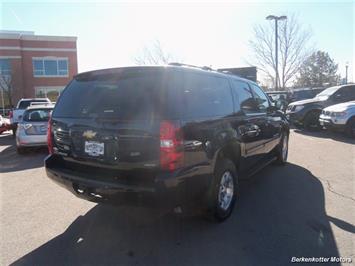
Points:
[217,34]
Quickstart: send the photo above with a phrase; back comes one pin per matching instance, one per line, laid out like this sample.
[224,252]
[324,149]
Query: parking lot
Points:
[304,209]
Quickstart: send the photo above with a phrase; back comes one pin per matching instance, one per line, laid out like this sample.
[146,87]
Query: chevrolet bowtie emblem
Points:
[89,134]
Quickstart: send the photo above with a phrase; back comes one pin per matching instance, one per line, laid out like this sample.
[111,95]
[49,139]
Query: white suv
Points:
[340,116]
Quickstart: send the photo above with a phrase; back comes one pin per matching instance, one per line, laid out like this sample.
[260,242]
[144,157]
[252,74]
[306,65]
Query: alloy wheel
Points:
[226,190]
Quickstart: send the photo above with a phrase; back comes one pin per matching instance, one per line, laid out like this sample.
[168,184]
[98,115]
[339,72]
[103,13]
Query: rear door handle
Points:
[192,144]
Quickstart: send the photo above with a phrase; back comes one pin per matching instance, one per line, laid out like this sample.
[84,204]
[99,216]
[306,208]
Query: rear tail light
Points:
[50,136]
[171,146]
[11,114]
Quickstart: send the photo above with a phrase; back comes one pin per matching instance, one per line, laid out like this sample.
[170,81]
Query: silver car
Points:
[339,117]
[32,129]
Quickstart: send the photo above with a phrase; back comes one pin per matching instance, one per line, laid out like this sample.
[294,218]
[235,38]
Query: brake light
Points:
[11,114]
[171,146]
[50,136]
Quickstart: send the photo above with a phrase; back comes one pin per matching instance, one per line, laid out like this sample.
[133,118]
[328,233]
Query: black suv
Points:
[163,135]
[306,112]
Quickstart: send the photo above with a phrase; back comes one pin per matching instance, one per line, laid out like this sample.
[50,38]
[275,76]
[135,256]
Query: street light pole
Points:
[346,72]
[276,19]
[276,56]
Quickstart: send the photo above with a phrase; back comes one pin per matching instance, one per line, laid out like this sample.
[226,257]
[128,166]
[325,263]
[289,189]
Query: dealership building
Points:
[38,66]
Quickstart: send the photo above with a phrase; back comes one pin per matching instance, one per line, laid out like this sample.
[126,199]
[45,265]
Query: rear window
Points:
[139,95]
[26,103]
[37,115]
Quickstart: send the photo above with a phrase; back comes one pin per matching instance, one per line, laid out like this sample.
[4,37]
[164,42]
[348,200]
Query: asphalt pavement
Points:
[303,209]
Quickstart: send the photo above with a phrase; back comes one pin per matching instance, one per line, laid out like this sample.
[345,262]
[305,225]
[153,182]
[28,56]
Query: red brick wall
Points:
[17,79]
[24,80]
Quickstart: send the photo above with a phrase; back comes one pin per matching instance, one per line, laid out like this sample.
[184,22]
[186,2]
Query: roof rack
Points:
[40,103]
[187,65]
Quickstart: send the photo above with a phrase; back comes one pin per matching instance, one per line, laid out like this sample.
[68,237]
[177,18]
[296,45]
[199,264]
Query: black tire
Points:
[20,150]
[350,127]
[281,158]
[215,211]
[311,121]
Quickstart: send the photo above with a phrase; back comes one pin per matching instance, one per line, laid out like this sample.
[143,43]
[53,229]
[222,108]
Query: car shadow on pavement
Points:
[337,136]
[10,161]
[280,215]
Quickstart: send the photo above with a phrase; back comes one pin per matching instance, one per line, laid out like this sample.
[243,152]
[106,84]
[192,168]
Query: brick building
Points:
[39,66]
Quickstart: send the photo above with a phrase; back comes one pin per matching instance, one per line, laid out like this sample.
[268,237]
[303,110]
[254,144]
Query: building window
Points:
[5,67]
[49,92]
[43,67]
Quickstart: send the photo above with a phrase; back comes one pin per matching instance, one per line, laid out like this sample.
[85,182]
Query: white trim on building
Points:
[29,37]
[10,57]
[18,48]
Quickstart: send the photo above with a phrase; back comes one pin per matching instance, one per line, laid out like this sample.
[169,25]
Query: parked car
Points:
[32,129]
[171,135]
[304,93]
[4,124]
[339,117]
[306,113]
[17,113]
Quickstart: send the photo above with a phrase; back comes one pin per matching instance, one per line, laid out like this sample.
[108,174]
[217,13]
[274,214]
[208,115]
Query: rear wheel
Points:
[350,128]
[223,191]
[311,121]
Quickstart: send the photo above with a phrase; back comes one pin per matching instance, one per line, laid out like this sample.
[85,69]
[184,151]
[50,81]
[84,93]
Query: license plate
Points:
[94,148]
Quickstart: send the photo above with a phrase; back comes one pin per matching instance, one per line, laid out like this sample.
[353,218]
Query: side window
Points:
[261,99]
[346,94]
[243,97]
[206,96]
[352,93]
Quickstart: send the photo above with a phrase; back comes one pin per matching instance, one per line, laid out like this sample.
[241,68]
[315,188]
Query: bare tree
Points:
[293,49]
[154,55]
[6,85]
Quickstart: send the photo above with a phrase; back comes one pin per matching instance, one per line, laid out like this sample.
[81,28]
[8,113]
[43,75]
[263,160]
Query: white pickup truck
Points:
[339,117]
[16,114]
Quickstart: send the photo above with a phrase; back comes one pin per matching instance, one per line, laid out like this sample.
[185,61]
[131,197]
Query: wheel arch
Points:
[350,119]
[231,152]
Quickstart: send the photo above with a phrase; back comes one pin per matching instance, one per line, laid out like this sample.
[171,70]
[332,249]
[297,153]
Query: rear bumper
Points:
[23,140]
[162,190]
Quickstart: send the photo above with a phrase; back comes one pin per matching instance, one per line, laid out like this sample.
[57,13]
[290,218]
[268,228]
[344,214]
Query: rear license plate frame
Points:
[94,148]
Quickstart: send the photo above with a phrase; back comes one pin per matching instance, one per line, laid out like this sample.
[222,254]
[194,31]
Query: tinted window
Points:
[243,97]
[205,96]
[351,93]
[128,96]
[346,93]
[260,97]
[37,115]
